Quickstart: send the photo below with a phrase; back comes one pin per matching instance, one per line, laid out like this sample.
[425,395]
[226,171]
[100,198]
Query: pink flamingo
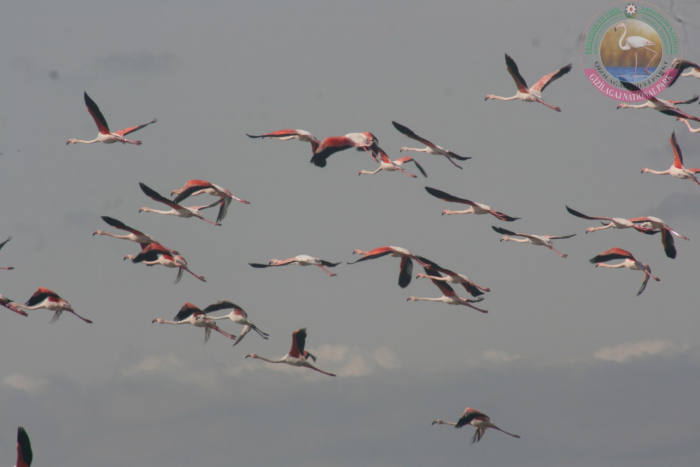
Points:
[104,135]
[635,42]
[7,268]
[155,253]
[190,314]
[450,276]
[301,260]
[680,65]
[11,305]
[676,170]
[649,222]
[133,236]
[664,106]
[476,208]
[544,240]
[448,294]
[391,166]
[198,187]
[285,135]
[45,298]
[297,356]
[534,94]
[177,210]
[477,419]
[629,262]
[405,268]
[24,449]
[430,148]
[238,315]
[362,141]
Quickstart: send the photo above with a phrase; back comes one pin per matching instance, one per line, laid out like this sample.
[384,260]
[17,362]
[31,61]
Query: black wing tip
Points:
[259,265]
[253,136]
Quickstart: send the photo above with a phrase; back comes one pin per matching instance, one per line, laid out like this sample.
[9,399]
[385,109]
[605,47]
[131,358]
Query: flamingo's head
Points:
[157,320]
[251,355]
[98,232]
[621,106]
[72,140]
[620,25]
[142,209]
[489,96]
[411,298]
[645,170]
[358,252]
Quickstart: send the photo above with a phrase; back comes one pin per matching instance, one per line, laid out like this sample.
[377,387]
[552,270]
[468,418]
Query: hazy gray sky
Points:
[567,357]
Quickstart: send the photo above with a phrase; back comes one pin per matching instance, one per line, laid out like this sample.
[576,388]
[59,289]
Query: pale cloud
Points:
[623,352]
[172,367]
[140,62]
[25,383]
[499,356]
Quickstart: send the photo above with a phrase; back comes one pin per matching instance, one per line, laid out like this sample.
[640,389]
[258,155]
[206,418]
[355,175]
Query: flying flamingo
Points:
[177,210]
[301,260]
[676,170]
[362,141]
[544,240]
[664,106]
[630,262]
[391,166]
[635,42]
[284,135]
[430,147]
[534,94]
[448,294]
[104,135]
[11,305]
[405,268]
[297,356]
[7,268]
[238,315]
[649,222]
[190,314]
[198,187]
[133,236]
[155,253]
[450,276]
[45,298]
[476,208]
[24,449]
[680,65]
[477,419]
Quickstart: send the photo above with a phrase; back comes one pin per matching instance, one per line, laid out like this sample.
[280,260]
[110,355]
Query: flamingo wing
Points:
[298,343]
[405,271]
[126,131]
[547,79]
[503,231]
[151,253]
[222,305]
[583,216]
[677,154]
[328,147]
[40,295]
[278,134]
[408,132]
[668,243]
[192,186]
[444,287]
[612,253]
[644,283]
[689,101]
[403,160]
[3,243]
[155,196]
[553,237]
[448,197]
[376,253]
[259,265]
[328,264]
[122,226]
[100,121]
[469,415]
[681,65]
[503,217]
[186,311]
[24,448]
[513,70]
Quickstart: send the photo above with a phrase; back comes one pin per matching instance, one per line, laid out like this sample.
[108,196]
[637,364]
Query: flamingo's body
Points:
[451,277]
[45,298]
[285,135]
[649,222]
[104,135]
[7,268]
[391,166]
[297,356]
[238,315]
[177,210]
[448,294]
[198,187]
[24,449]
[629,262]
[405,268]
[681,65]
[155,253]
[10,305]
[301,260]
[362,141]
[190,314]
[544,240]
[635,42]
[676,170]
[476,419]
[533,94]
[476,208]
[666,107]
[430,147]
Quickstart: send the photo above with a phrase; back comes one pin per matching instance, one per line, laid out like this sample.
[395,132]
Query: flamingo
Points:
[7,268]
[155,253]
[544,240]
[477,419]
[430,148]
[680,65]
[301,260]
[391,166]
[297,356]
[690,128]
[197,187]
[405,268]
[11,305]
[676,170]
[476,208]
[45,298]
[362,141]
[284,135]
[190,314]
[629,262]
[24,449]
[534,94]
[667,232]
[238,315]
[177,210]
[635,42]
[104,135]
[664,106]
[133,236]
[450,276]
[448,294]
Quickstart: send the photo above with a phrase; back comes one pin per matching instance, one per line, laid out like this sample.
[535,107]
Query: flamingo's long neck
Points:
[500,98]
[172,212]
[440,422]
[624,31]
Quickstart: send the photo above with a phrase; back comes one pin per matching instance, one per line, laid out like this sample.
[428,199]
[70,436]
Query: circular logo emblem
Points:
[631,42]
